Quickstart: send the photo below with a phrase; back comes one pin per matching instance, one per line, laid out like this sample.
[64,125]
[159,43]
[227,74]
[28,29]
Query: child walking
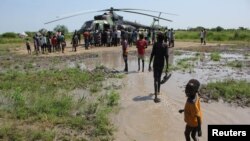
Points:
[192,110]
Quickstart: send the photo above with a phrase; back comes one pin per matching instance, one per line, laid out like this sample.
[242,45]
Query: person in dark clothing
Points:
[75,42]
[159,52]
[87,39]
[79,37]
[124,44]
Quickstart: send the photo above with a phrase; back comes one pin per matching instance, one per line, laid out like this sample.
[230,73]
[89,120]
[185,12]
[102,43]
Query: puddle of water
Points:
[205,70]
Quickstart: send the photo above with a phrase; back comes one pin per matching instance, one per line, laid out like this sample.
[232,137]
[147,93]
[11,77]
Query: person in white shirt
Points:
[118,32]
[202,36]
[44,43]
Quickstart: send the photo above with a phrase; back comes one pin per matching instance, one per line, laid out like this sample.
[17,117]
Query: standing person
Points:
[153,37]
[114,38]
[159,52]
[202,36]
[54,43]
[86,35]
[108,38]
[141,45]
[35,44]
[130,40]
[44,43]
[118,37]
[63,42]
[49,46]
[75,42]
[134,36]
[79,37]
[58,41]
[124,44]
[28,46]
[192,110]
[172,37]
[39,43]
[169,37]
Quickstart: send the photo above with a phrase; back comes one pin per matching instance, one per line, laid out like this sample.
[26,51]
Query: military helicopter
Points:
[111,20]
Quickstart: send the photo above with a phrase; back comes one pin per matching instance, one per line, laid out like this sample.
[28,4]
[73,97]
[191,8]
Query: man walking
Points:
[159,53]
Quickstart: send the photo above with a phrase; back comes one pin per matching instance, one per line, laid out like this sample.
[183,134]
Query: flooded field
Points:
[197,65]
[139,117]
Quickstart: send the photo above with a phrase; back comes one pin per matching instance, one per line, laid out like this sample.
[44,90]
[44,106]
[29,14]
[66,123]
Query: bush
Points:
[9,35]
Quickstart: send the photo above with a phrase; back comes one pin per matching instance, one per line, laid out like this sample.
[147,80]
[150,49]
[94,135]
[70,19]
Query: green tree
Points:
[242,28]
[219,28]
[43,31]
[61,28]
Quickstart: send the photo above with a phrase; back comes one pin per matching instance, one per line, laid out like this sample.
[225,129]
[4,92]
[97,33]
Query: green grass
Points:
[183,64]
[230,35]
[11,40]
[44,98]
[10,132]
[177,52]
[215,56]
[235,64]
[229,90]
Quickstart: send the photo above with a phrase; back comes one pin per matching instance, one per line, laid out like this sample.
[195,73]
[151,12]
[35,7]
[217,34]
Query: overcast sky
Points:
[30,15]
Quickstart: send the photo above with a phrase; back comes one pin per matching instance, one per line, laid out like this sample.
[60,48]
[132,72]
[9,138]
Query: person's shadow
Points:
[144,98]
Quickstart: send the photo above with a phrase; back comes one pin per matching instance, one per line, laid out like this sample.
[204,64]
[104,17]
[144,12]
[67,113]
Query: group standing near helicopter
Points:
[56,42]
[109,38]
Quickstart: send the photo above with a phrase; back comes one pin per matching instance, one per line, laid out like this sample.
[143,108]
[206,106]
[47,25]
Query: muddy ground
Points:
[139,118]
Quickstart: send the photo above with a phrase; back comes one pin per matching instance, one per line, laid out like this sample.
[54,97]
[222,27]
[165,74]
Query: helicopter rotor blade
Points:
[72,15]
[146,15]
[125,9]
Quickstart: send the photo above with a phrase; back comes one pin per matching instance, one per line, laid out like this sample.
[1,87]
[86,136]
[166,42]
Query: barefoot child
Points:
[192,110]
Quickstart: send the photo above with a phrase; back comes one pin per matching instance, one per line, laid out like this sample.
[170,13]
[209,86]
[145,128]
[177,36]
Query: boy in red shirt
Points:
[141,45]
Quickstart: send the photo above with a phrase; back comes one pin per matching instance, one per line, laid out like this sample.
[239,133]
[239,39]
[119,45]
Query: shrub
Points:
[9,35]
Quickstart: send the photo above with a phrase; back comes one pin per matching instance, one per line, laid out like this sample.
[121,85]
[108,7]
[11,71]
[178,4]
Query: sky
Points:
[30,15]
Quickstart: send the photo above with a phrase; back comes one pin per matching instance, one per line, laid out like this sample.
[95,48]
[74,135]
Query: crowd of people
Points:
[55,42]
[47,43]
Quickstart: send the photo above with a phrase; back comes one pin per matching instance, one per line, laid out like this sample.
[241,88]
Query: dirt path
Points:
[140,119]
